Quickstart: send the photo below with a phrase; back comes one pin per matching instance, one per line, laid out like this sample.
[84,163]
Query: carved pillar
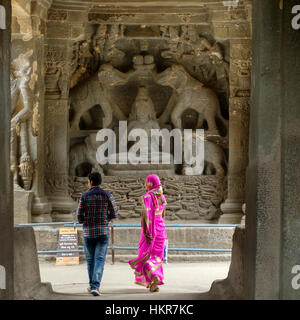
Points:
[239,108]
[57,133]
[6,194]
[28,29]
[41,207]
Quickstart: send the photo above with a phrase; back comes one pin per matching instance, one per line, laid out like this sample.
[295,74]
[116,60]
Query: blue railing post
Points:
[166,251]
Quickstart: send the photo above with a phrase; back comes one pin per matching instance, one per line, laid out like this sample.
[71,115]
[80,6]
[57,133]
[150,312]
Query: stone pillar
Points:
[41,206]
[273,175]
[57,160]
[239,107]
[6,194]
[28,32]
[57,131]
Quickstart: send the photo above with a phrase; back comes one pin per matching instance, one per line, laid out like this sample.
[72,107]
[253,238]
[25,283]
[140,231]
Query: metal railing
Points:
[113,247]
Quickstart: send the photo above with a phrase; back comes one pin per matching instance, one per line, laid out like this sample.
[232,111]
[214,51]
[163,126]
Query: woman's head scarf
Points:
[154,186]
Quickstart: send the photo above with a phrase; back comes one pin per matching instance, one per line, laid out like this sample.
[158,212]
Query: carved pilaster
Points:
[57,159]
[239,109]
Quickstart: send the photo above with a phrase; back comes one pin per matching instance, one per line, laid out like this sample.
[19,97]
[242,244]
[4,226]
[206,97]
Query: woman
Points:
[148,265]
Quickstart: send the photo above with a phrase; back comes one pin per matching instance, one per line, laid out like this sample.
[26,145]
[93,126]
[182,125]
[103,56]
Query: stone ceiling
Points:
[193,7]
[216,13]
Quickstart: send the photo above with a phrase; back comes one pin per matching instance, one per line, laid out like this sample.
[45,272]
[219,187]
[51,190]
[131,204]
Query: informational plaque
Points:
[68,240]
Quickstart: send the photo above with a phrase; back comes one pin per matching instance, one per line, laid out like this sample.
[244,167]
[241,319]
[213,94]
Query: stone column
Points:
[6,187]
[62,30]
[28,29]
[273,175]
[239,107]
[41,206]
[57,131]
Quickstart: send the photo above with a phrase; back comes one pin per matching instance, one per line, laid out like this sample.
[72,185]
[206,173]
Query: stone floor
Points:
[185,281]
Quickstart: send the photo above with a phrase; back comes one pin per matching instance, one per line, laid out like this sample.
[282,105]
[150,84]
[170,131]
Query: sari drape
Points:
[149,262]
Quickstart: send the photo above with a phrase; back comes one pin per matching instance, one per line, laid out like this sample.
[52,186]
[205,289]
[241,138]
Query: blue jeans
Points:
[95,252]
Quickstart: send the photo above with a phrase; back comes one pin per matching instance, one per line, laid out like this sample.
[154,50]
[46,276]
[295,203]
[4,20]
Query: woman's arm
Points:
[146,235]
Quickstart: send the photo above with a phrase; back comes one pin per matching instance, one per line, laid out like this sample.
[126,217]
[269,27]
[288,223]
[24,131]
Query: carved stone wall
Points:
[188,198]
[105,54]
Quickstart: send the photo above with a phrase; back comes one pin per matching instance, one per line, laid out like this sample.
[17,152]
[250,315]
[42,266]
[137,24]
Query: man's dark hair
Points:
[95,178]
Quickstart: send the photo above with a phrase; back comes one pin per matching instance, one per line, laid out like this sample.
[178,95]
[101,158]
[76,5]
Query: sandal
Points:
[153,286]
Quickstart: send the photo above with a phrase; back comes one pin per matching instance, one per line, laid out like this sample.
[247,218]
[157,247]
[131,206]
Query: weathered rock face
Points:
[27,279]
[188,197]
[233,287]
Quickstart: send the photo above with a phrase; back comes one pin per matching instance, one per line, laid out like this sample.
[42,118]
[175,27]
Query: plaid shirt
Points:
[95,209]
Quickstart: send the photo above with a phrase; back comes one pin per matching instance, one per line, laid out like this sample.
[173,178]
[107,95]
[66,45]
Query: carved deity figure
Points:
[220,69]
[111,52]
[143,115]
[21,111]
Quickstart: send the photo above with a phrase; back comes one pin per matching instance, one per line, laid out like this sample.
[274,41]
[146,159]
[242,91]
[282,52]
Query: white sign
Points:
[2,278]
[2,18]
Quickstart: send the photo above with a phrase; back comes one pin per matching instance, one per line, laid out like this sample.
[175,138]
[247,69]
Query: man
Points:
[96,208]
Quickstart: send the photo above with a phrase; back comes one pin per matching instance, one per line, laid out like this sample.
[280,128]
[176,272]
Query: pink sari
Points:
[150,258]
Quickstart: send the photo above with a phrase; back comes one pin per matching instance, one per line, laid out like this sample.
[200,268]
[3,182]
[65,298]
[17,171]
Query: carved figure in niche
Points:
[241,81]
[173,41]
[192,43]
[214,159]
[220,69]
[191,93]
[111,52]
[84,153]
[199,56]
[95,91]
[21,111]
[143,115]
[56,83]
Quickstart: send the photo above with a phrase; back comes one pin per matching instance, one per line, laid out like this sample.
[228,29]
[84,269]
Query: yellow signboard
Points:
[68,240]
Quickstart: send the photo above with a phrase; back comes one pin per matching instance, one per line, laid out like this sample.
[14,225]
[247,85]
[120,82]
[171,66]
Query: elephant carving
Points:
[215,161]
[95,91]
[84,153]
[190,94]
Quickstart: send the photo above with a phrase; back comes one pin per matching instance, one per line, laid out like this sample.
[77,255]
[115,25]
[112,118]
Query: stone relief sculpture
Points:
[84,153]
[56,73]
[176,76]
[191,94]
[94,91]
[185,47]
[21,110]
[143,114]
[214,159]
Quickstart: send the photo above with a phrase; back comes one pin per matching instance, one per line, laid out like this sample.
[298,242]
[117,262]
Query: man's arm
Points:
[81,210]
[112,208]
